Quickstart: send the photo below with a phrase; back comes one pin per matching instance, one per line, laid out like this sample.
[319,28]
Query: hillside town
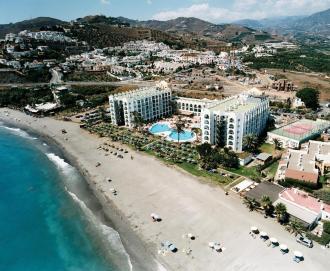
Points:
[259,137]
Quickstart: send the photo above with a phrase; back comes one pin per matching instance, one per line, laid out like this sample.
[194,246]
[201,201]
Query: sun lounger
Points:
[296,259]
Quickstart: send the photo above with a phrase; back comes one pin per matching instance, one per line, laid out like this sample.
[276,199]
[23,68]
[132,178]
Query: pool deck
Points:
[167,134]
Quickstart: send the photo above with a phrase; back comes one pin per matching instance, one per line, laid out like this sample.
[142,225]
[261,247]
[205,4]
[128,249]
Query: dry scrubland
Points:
[302,80]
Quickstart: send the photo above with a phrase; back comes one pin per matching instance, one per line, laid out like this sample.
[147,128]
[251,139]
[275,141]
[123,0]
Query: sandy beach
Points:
[185,204]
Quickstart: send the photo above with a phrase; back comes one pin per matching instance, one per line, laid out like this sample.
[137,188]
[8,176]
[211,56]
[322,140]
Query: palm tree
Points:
[252,204]
[174,107]
[277,144]
[281,212]
[138,121]
[295,227]
[251,142]
[179,125]
[267,204]
[265,200]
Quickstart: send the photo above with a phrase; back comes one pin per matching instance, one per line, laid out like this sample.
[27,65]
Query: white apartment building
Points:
[46,35]
[151,103]
[10,37]
[226,122]
[190,105]
[306,164]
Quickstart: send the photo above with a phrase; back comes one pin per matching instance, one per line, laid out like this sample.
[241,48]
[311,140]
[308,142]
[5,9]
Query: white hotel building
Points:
[151,103]
[226,122]
[191,105]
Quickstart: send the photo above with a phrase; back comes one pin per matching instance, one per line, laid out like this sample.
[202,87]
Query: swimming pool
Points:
[184,136]
[159,127]
[163,128]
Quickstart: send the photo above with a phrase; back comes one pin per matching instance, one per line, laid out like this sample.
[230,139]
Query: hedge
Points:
[323,240]
[309,187]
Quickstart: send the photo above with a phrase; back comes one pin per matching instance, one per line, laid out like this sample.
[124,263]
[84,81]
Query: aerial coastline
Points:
[112,217]
[162,136]
[176,197]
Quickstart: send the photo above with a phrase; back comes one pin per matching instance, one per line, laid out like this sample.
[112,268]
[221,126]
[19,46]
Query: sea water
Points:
[49,219]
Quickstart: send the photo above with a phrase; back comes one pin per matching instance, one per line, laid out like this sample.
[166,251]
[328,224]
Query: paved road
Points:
[89,83]
[56,77]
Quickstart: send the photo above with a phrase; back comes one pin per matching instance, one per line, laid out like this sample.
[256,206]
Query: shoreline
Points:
[186,205]
[141,261]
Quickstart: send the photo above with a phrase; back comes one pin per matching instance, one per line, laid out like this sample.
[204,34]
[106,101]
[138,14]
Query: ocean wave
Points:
[60,163]
[17,131]
[112,236]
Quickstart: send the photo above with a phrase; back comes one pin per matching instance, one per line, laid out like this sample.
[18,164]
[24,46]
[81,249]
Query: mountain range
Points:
[317,23]
[194,26]
[102,31]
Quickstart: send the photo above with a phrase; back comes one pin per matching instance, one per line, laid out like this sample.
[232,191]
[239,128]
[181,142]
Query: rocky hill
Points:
[192,26]
[33,24]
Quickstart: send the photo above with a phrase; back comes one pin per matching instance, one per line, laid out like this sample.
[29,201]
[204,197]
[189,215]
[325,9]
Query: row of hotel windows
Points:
[149,116]
[148,100]
[231,120]
[230,143]
[146,105]
[154,112]
[190,107]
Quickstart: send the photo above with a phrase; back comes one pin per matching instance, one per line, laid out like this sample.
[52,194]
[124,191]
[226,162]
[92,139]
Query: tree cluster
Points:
[310,97]
[266,205]
[211,157]
[20,97]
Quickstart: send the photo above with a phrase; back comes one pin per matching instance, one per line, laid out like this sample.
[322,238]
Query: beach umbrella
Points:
[273,240]
[298,254]
[254,229]
[263,234]
[211,244]
[172,247]
[284,247]
[155,216]
[217,247]
[152,215]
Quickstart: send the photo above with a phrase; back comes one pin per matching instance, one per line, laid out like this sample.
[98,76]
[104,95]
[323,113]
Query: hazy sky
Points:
[212,10]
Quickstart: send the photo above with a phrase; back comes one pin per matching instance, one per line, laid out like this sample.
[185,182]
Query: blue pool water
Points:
[159,128]
[173,135]
[184,136]
[45,223]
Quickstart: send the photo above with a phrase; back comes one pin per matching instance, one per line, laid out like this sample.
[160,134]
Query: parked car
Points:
[305,241]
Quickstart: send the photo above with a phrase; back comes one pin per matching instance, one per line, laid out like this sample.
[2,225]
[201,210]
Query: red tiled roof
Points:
[301,175]
[304,200]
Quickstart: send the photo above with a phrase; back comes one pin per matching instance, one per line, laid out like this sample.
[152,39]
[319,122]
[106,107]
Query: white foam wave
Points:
[18,132]
[60,163]
[111,235]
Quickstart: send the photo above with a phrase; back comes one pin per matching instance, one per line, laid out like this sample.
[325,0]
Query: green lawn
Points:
[195,170]
[271,170]
[216,177]
[250,172]
[268,148]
